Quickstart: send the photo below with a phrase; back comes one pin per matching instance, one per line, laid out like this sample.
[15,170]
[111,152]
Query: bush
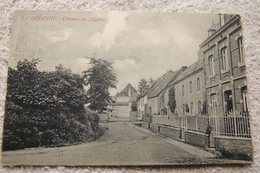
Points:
[172,100]
[46,109]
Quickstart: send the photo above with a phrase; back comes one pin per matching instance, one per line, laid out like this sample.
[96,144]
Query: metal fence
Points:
[228,125]
[192,122]
[231,125]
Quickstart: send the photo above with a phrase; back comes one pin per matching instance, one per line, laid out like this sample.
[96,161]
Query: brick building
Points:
[225,79]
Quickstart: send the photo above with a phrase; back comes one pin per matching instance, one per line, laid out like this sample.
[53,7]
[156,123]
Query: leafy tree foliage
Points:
[134,105]
[143,86]
[99,78]
[46,108]
[172,100]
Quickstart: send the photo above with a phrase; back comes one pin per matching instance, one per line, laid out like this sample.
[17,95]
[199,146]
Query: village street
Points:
[123,144]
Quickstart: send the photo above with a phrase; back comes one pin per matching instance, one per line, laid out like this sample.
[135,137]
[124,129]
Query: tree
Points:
[134,105]
[46,108]
[99,78]
[142,86]
[172,100]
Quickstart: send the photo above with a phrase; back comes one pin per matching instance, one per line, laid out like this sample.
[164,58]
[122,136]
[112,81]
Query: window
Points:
[211,65]
[240,49]
[244,98]
[191,108]
[228,102]
[191,90]
[213,104]
[183,109]
[199,107]
[198,84]
[182,90]
[224,58]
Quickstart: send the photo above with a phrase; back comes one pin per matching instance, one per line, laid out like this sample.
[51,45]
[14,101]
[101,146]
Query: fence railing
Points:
[192,122]
[228,125]
[231,125]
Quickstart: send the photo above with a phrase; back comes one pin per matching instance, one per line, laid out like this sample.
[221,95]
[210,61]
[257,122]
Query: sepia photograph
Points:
[109,88]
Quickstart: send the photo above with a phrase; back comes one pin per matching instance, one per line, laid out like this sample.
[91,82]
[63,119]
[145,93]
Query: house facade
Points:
[188,121]
[157,98]
[190,90]
[142,106]
[225,79]
[121,106]
[210,96]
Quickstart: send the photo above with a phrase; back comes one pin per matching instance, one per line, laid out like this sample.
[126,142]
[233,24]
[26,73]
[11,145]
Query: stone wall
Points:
[146,125]
[155,127]
[234,147]
[133,116]
[170,132]
[196,138]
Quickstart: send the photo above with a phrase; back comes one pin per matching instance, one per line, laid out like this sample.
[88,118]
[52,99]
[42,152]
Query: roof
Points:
[128,86]
[161,83]
[124,92]
[220,30]
[190,70]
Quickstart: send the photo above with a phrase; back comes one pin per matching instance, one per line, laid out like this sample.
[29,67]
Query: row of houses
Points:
[206,103]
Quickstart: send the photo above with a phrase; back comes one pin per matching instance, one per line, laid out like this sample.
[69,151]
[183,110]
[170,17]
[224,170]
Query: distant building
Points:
[122,102]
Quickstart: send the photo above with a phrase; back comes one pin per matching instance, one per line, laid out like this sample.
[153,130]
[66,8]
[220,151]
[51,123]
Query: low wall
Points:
[170,132]
[196,138]
[155,127]
[147,118]
[133,116]
[234,147]
[103,117]
[146,125]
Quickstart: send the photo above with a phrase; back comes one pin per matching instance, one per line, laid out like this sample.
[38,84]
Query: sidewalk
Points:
[189,148]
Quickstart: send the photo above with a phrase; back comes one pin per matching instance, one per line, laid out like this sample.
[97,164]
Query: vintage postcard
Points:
[126,88]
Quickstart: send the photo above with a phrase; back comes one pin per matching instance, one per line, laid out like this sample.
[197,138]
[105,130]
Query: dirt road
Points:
[123,144]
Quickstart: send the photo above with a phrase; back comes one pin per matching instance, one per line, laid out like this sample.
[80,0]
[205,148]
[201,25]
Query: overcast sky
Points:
[140,44]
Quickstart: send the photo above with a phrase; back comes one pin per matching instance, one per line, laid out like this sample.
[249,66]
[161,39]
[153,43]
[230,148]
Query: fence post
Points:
[196,125]
[235,125]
